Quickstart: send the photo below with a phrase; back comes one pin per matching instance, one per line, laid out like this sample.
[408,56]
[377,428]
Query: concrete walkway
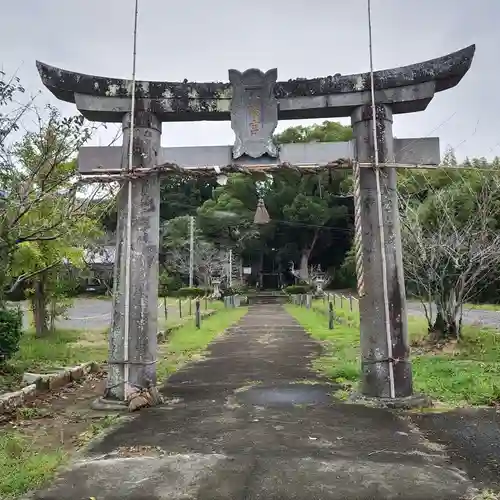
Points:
[240,425]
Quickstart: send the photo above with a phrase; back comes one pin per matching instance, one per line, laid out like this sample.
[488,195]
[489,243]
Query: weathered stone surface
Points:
[31,378]
[12,400]
[58,380]
[377,356]
[191,101]
[254,112]
[39,383]
[143,307]
[92,159]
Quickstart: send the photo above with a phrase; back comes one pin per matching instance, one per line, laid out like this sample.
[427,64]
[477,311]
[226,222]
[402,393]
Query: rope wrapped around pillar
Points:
[358,242]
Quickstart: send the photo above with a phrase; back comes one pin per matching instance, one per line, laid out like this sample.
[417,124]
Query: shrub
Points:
[297,289]
[11,329]
[191,292]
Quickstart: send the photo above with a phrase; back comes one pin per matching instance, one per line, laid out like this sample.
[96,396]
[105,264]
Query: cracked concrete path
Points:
[253,422]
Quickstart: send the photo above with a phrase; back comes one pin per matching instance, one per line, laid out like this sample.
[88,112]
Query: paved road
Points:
[471,316]
[239,426]
[95,314]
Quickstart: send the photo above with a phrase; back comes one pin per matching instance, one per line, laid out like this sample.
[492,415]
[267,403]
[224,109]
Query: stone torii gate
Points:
[254,102]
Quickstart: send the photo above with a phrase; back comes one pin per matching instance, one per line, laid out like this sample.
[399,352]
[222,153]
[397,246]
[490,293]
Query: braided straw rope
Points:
[358,243]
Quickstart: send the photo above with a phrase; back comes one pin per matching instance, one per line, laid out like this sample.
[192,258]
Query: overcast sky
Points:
[201,40]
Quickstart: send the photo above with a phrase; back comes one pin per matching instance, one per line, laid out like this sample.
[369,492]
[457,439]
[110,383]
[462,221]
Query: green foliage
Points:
[164,284]
[450,238]
[181,196]
[11,330]
[468,374]
[326,132]
[308,212]
[227,218]
[46,220]
[22,466]
[297,289]
[345,275]
[191,292]
[341,360]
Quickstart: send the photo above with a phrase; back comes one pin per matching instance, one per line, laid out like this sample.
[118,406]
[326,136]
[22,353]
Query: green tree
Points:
[304,209]
[451,243]
[46,218]
[326,132]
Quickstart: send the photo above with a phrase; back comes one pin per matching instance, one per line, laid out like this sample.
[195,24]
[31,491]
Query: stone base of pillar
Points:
[103,404]
[145,399]
[407,403]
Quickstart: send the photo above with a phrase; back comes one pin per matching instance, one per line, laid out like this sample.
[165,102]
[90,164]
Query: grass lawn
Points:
[59,349]
[64,348]
[484,307]
[188,343]
[464,373]
[22,466]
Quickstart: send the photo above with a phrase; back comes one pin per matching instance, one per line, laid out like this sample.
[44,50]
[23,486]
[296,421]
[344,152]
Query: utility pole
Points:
[191,251]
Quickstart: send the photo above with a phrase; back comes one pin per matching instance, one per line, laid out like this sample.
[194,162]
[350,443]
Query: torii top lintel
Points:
[405,89]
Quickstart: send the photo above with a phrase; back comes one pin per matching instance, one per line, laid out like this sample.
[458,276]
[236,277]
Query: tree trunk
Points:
[39,306]
[53,314]
[304,258]
[445,327]
[304,265]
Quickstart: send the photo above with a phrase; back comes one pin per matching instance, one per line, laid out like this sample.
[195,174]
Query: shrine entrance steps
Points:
[267,297]
[253,421]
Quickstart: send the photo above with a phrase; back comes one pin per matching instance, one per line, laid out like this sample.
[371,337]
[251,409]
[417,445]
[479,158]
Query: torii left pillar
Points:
[132,353]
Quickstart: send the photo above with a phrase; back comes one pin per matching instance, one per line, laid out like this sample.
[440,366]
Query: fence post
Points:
[198,313]
[330,316]
[190,306]
[206,303]
[350,302]
[334,296]
[180,308]
[308,301]
[341,301]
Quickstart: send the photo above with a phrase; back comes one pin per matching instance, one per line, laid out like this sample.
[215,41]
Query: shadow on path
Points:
[252,421]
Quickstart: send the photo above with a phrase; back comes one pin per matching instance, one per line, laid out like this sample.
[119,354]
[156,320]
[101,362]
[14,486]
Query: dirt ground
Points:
[61,419]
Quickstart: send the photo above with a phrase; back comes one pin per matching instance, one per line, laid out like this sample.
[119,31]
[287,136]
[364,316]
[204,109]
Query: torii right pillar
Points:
[377,357]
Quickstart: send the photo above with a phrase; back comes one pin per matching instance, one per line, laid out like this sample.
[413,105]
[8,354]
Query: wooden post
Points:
[206,303]
[198,313]
[330,316]
[190,306]
[350,302]
[180,308]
